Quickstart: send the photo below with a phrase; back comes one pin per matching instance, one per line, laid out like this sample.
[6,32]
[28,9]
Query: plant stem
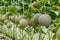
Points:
[40,34]
[43,37]
[14,33]
[49,34]
[28,37]
[22,34]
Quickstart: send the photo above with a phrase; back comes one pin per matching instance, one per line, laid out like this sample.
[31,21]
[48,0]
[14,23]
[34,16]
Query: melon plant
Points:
[23,23]
[23,19]
[44,20]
